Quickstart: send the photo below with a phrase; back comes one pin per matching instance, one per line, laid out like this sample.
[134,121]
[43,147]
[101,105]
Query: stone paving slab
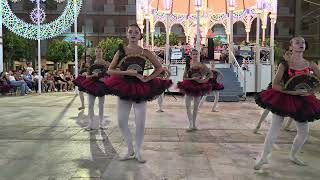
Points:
[42,137]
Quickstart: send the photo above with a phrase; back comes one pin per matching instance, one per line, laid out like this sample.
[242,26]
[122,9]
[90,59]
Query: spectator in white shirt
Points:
[29,68]
[20,83]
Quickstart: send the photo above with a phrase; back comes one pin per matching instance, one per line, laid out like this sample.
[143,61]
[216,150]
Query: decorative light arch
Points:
[47,30]
[188,20]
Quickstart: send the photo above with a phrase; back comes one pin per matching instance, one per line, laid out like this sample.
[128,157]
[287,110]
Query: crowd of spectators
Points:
[26,81]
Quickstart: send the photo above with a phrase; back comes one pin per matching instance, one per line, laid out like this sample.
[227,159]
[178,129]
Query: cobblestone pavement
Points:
[42,138]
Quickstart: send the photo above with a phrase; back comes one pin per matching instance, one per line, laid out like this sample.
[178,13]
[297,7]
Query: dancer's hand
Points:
[131,72]
[142,78]
[89,76]
[199,80]
[304,93]
[309,93]
[195,78]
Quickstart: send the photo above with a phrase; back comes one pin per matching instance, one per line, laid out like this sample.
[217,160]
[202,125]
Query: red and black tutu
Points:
[78,82]
[132,89]
[94,86]
[193,88]
[300,108]
[215,85]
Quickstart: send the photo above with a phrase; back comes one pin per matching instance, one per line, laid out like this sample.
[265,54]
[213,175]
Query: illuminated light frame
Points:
[47,30]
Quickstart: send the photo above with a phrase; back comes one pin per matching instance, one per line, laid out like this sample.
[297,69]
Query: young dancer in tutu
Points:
[302,106]
[194,85]
[81,77]
[165,74]
[286,56]
[94,86]
[216,87]
[133,89]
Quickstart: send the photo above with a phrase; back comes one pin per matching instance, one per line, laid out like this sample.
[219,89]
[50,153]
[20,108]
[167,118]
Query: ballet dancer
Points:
[302,106]
[194,85]
[81,77]
[286,56]
[94,86]
[216,87]
[133,89]
[165,74]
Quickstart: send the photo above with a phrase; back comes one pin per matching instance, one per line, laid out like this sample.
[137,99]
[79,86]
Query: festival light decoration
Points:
[47,30]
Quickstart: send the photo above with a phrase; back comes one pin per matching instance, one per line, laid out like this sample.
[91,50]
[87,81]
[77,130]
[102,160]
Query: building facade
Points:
[295,18]
[97,20]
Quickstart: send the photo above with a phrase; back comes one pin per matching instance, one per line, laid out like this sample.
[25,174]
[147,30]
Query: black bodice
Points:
[135,62]
[97,69]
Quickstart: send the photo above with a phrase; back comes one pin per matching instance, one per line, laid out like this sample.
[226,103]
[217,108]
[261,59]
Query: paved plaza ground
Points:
[42,138]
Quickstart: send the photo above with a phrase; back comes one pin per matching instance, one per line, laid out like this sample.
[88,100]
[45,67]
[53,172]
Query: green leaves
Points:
[160,40]
[62,51]
[17,48]
[109,47]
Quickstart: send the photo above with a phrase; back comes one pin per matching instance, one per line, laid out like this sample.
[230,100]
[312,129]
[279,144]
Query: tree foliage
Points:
[17,48]
[59,51]
[109,47]
[160,40]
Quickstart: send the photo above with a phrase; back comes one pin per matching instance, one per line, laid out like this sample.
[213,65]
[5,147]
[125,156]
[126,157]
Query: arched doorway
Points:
[239,32]
[159,28]
[220,35]
[178,31]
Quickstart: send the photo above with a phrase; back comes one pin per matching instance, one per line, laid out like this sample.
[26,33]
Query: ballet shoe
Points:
[289,129]
[88,128]
[256,130]
[139,159]
[102,126]
[160,110]
[297,161]
[258,165]
[128,156]
[194,128]
[81,108]
[214,110]
[189,129]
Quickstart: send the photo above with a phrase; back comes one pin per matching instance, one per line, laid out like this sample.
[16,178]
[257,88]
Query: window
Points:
[131,2]
[110,2]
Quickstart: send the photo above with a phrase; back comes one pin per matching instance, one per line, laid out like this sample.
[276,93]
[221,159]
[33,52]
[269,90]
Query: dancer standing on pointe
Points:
[133,89]
[81,77]
[286,56]
[216,87]
[165,75]
[302,106]
[194,85]
[95,87]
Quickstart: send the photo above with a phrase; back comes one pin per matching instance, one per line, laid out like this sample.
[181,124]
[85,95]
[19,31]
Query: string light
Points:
[47,30]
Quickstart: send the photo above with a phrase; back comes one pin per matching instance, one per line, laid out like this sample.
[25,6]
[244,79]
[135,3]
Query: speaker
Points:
[210,48]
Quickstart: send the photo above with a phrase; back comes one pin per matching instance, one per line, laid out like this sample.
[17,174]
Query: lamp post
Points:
[1,41]
[273,18]
[198,5]
[76,43]
[231,6]
[167,6]
[259,6]
[147,17]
